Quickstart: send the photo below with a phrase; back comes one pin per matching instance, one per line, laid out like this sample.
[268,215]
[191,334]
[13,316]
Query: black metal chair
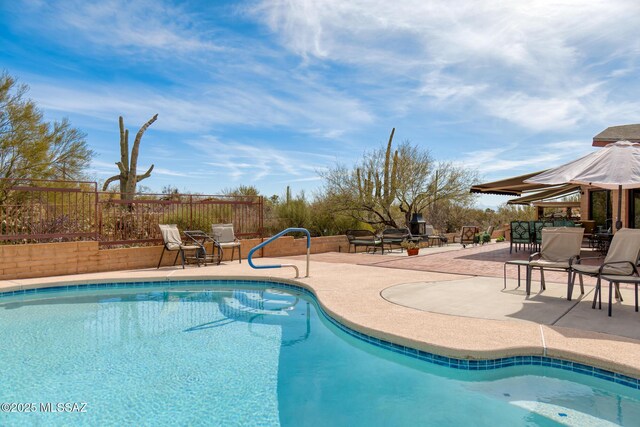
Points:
[537,232]
[520,234]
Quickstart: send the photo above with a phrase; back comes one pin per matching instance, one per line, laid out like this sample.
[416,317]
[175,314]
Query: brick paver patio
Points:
[481,260]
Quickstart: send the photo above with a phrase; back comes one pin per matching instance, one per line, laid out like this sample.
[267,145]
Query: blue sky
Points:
[268,93]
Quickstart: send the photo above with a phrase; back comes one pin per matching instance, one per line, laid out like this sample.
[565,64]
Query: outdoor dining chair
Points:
[520,234]
[621,260]
[468,235]
[537,231]
[560,247]
[226,238]
[173,242]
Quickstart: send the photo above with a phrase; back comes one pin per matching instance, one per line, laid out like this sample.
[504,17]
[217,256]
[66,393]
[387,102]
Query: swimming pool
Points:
[241,353]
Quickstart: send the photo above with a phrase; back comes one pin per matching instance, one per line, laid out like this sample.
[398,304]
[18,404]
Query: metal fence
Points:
[34,211]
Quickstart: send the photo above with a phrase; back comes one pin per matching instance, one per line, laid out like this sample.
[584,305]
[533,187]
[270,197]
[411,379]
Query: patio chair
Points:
[520,234]
[563,223]
[394,237]
[560,247]
[364,238]
[173,242]
[468,235]
[621,260]
[433,237]
[226,238]
[537,232]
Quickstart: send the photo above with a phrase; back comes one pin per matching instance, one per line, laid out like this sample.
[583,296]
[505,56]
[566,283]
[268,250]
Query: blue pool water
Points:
[241,354]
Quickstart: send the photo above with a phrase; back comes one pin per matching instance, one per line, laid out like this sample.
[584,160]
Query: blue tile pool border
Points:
[450,362]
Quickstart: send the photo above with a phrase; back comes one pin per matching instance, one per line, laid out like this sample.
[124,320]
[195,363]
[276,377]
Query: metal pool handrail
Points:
[280,234]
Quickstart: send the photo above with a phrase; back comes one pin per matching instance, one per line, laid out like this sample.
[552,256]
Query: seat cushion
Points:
[622,269]
[365,242]
[549,264]
[230,245]
[587,269]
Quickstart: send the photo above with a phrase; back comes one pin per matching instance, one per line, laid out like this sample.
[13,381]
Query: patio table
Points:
[634,280]
[200,238]
[519,263]
[601,242]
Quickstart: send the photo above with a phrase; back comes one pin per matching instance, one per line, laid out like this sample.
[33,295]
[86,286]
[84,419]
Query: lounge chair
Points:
[520,234]
[226,238]
[468,235]
[394,237]
[173,242]
[621,260]
[560,247]
[364,238]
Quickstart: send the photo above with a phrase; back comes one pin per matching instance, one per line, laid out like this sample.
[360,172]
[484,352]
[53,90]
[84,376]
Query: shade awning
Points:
[547,194]
[514,186]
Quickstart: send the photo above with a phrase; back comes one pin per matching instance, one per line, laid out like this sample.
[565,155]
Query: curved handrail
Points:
[280,234]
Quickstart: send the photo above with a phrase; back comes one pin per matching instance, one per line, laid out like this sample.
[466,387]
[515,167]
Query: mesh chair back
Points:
[625,246]
[223,233]
[170,236]
[560,244]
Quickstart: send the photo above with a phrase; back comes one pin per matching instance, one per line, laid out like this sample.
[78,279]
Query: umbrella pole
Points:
[619,222]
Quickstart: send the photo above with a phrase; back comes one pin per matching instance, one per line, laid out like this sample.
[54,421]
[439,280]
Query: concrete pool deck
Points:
[353,294]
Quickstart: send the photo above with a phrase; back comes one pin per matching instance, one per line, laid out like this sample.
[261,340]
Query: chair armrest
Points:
[633,266]
[574,260]
[538,254]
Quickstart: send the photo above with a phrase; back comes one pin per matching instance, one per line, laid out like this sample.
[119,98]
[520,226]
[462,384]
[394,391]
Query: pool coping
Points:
[516,343]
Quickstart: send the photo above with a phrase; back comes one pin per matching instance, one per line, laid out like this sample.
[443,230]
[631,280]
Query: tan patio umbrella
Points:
[614,167]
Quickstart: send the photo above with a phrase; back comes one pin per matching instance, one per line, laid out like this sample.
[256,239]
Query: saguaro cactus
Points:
[380,192]
[129,165]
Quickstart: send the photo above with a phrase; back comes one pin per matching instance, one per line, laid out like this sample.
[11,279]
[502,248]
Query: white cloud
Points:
[192,109]
[527,63]
[518,158]
[537,113]
[247,162]
[141,24]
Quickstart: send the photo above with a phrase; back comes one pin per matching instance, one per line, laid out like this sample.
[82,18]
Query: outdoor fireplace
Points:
[417,225]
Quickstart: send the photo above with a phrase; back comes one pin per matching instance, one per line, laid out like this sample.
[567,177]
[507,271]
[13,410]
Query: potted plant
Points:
[412,247]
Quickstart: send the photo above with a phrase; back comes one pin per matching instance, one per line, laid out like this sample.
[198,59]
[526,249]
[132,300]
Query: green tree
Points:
[32,148]
[388,186]
[241,190]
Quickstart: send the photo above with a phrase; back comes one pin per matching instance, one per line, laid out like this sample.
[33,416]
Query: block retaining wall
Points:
[57,259]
